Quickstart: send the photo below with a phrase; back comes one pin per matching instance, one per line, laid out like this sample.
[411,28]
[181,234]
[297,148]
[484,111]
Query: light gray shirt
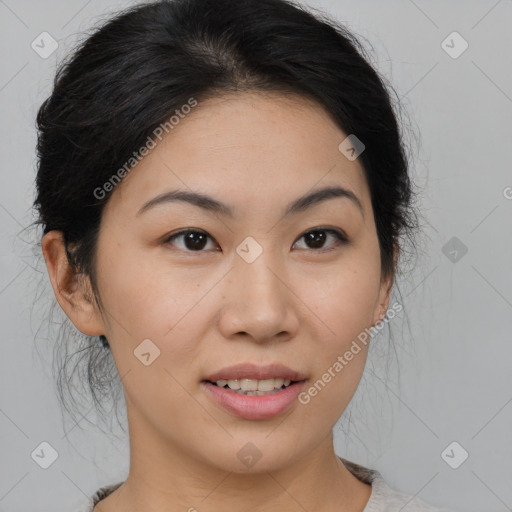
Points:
[383,498]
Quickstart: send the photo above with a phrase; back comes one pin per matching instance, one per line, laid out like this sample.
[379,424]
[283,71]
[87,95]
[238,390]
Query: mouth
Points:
[254,387]
[249,371]
[255,392]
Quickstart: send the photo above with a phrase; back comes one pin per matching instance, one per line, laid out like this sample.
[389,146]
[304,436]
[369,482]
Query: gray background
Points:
[455,359]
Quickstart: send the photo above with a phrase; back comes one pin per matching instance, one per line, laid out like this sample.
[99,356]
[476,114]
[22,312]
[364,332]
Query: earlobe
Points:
[383,302]
[72,290]
[385,294]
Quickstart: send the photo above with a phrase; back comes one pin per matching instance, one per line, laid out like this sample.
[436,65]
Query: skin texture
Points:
[296,304]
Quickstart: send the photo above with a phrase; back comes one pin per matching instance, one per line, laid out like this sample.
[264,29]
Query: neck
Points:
[163,477]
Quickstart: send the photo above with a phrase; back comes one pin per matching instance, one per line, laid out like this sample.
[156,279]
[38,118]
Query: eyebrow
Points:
[213,205]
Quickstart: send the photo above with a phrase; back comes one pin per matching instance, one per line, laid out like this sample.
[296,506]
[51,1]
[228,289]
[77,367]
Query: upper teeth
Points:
[253,384]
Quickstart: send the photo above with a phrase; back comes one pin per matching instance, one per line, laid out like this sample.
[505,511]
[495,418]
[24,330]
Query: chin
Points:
[253,457]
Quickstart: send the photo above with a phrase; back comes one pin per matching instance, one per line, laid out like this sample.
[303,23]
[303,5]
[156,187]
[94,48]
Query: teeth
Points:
[232,383]
[249,385]
[253,386]
[265,385]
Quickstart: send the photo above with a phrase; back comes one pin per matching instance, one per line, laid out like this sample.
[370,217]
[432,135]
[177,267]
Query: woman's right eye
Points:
[193,240]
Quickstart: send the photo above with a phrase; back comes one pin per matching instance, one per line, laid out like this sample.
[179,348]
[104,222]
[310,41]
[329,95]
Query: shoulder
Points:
[101,493]
[388,499]
[383,497]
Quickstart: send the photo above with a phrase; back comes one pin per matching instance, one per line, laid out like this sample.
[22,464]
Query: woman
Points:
[222,188]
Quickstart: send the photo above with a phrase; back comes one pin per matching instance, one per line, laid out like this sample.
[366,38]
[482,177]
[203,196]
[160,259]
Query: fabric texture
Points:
[383,498]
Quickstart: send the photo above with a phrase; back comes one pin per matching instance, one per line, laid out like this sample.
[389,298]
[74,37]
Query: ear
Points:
[72,290]
[384,294]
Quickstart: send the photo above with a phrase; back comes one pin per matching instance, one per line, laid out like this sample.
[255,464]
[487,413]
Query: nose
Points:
[259,302]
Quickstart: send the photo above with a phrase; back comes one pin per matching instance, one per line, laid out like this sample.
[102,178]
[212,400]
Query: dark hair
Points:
[132,73]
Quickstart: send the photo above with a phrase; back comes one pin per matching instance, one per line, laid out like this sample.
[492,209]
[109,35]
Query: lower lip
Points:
[255,407]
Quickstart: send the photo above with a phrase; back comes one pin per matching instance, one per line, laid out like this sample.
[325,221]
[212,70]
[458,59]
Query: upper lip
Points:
[252,371]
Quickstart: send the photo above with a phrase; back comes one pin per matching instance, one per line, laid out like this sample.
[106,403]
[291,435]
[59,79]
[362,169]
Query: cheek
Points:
[343,299]
[162,305]
[343,302]
[147,295]
[340,349]
[143,302]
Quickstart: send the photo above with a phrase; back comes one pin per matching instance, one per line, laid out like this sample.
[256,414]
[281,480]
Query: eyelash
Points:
[339,235]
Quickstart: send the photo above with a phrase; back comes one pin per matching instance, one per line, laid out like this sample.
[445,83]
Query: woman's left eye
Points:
[194,240]
[317,237]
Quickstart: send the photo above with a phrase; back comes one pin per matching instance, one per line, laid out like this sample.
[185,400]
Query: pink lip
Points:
[254,407]
[252,371]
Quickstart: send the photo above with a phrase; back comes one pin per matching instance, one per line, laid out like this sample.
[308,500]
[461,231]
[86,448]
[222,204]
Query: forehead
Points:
[270,148]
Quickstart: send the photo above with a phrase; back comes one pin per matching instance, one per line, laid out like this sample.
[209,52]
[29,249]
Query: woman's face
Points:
[252,290]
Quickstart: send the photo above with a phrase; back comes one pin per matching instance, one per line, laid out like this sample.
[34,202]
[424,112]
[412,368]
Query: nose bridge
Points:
[259,302]
[255,270]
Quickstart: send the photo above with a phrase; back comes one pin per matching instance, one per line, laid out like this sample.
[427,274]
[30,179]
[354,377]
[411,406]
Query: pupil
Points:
[191,244]
[318,241]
